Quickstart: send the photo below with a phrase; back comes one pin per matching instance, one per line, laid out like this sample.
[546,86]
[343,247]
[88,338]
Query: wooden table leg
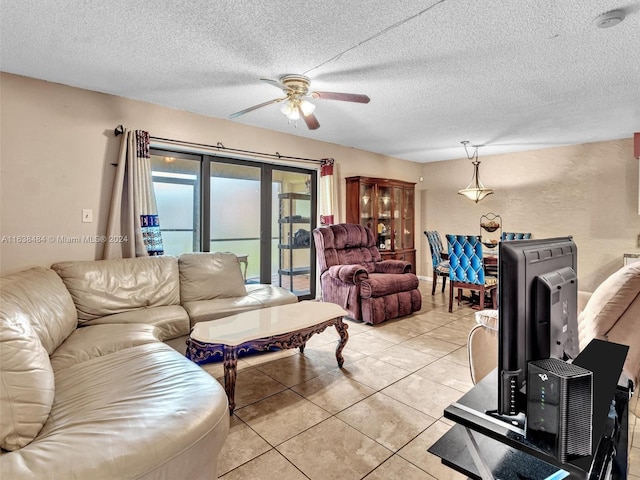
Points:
[341,327]
[230,371]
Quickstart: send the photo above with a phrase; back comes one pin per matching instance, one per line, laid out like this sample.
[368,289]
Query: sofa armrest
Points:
[393,266]
[583,299]
[348,273]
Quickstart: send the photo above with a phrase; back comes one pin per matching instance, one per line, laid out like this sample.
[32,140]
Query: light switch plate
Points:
[87,215]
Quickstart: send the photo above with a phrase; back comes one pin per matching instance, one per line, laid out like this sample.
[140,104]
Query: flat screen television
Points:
[537,312]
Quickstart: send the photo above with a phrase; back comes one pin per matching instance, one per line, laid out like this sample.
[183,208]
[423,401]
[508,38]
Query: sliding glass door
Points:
[261,212]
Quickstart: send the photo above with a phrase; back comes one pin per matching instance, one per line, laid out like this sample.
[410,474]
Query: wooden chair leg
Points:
[494,298]
[450,297]
[459,296]
[435,280]
[482,292]
[444,282]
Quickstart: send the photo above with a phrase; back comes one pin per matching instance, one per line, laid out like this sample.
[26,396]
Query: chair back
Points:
[515,236]
[435,245]
[465,259]
[346,244]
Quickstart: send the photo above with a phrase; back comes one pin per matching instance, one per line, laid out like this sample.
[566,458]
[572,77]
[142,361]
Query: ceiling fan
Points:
[296,88]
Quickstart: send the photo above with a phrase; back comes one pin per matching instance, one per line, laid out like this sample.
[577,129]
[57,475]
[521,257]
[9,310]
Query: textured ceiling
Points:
[511,75]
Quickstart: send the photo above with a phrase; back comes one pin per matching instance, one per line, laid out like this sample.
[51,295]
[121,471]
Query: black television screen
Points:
[537,312]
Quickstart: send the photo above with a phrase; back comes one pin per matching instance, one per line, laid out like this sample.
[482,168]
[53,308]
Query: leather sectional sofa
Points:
[91,388]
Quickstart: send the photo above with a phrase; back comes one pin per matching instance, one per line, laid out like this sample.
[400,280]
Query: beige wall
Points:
[57,146]
[588,191]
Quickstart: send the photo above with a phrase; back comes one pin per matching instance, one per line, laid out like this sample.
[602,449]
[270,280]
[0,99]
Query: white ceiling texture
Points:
[512,75]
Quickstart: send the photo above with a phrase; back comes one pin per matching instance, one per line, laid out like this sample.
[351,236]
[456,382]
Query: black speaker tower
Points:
[559,408]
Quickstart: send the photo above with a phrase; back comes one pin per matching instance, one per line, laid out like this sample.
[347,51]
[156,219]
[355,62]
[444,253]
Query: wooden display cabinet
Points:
[387,207]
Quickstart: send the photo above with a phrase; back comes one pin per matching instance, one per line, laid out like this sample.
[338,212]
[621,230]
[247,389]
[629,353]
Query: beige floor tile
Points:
[216,369]
[389,422]
[634,461]
[242,445]
[397,468]
[431,345]
[267,466]
[296,369]
[449,334]
[416,453]
[332,450]
[374,373]
[393,332]
[423,394]
[367,344]
[333,391]
[448,373]
[253,385]
[465,324]
[327,354]
[260,358]
[281,416]
[460,356]
[405,358]
[357,327]
[330,335]
[420,324]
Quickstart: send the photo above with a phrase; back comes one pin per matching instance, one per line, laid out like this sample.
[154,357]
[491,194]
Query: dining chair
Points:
[439,259]
[515,236]
[467,269]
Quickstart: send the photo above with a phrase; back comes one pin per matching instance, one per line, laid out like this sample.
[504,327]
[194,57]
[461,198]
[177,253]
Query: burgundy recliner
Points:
[353,275]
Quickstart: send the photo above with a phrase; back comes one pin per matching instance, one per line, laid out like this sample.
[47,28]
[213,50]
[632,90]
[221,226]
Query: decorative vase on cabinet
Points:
[387,208]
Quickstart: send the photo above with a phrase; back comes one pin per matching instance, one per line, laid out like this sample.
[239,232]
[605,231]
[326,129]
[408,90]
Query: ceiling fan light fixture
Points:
[290,109]
[307,107]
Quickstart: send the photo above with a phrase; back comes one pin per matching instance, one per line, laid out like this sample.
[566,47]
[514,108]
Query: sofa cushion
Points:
[126,415]
[258,296]
[27,383]
[171,320]
[608,303]
[205,276]
[90,342]
[106,287]
[42,297]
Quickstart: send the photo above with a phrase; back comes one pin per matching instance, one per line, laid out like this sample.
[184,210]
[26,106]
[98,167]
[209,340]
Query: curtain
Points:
[327,192]
[133,228]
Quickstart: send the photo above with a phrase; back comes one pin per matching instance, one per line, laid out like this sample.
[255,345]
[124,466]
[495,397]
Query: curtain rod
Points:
[119,130]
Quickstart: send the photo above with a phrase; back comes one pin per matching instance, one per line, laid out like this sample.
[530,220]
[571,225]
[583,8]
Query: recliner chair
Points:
[354,276]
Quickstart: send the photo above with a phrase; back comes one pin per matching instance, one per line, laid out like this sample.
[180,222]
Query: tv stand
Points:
[500,449]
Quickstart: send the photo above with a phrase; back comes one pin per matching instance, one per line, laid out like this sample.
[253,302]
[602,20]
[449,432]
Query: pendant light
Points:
[475,191]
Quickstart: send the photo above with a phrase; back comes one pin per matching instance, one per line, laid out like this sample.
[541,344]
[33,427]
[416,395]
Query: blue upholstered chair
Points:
[515,236]
[467,269]
[438,259]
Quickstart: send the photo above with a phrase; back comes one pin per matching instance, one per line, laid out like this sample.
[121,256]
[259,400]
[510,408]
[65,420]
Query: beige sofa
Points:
[611,313]
[89,386]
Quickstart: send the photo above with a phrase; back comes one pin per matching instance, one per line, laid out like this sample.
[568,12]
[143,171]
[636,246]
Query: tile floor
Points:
[300,417]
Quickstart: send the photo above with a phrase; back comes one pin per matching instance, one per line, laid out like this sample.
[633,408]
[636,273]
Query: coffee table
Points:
[283,326]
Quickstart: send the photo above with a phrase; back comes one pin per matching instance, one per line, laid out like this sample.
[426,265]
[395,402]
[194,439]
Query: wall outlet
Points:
[87,215]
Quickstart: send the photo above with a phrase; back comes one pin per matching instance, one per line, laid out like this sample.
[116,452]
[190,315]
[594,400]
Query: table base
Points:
[200,352]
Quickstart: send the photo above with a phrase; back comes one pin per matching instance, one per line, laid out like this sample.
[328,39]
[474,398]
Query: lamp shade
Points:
[475,191]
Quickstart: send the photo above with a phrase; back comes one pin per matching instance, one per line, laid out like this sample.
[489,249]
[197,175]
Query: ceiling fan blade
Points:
[275,83]
[345,97]
[255,107]
[310,120]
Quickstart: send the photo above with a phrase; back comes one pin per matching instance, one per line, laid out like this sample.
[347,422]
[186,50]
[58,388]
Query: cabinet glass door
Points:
[366,206]
[385,225]
[397,219]
[407,218]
